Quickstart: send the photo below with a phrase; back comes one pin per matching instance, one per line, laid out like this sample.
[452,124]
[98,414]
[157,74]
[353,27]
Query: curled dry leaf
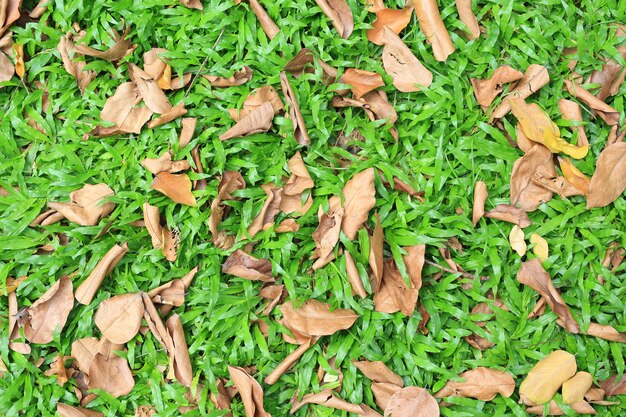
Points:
[114,53]
[571,111]
[314,318]
[119,317]
[231,181]
[65,410]
[159,70]
[606,332]
[299,181]
[256,99]
[603,110]
[581,407]
[9,13]
[49,312]
[578,180]
[535,77]
[613,258]
[464,8]
[376,254]
[480,383]
[258,120]
[187,131]
[533,275]
[326,235]
[358,199]
[86,207]
[12,284]
[487,90]
[164,163]
[123,111]
[16,319]
[516,239]
[353,276]
[242,265]
[613,386]
[299,128]
[538,127]
[75,68]
[394,20]
[180,355]
[383,391]
[87,289]
[433,28]
[362,82]
[269,27]
[57,368]
[524,192]
[574,389]
[6,68]
[152,221]
[174,113]
[377,371]
[274,293]
[288,362]
[540,248]
[326,398]
[554,184]
[304,62]
[394,295]
[546,377]
[480,196]
[609,180]
[509,214]
[610,77]
[239,77]
[407,401]
[18,53]
[271,207]
[148,89]
[405,69]
[339,14]
[110,372]
[175,186]
[250,391]
[287,226]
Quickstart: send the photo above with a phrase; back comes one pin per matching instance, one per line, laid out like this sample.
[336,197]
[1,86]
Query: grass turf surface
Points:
[445,146]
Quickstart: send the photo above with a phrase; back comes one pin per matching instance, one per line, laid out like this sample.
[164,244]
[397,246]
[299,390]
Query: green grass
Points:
[445,146]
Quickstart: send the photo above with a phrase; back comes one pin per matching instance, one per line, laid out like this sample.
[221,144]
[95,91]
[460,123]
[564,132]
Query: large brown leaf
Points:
[250,391]
[314,318]
[86,207]
[433,28]
[524,192]
[242,265]
[361,81]
[464,8]
[258,120]
[412,402]
[75,68]
[299,128]
[326,235]
[480,196]
[87,289]
[149,90]
[394,20]
[358,199]
[175,186]
[114,53]
[480,383]
[546,377]
[238,78]
[339,14]
[535,77]
[110,372]
[488,89]
[609,180]
[49,312]
[83,352]
[533,275]
[377,371]
[119,317]
[299,181]
[123,111]
[606,332]
[180,355]
[603,110]
[405,69]
[394,294]
[509,214]
[271,207]
[288,362]
[256,99]
[571,112]
[65,410]
[613,386]
[383,391]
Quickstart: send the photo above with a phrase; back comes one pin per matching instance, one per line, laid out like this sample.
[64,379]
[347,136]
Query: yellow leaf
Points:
[516,238]
[545,379]
[538,127]
[574,389]
[574,176]
[20,69]
[541,247]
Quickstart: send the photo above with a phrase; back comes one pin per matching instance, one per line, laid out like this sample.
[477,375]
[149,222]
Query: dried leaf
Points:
[433,28]
[57,368]
[258,120]
[303,63]
[480,196]
[613,386]
[383,391]
[524,192]
[558,185]
[268,25]
[230,182]
[20,68]
[509,214]
[376,255]
[603,110]
[538,127]
[192,4]
[87,289]
[242,265]
[114,53]
[171,243]
[359,199]
[149,90]
[516,239]
[394,294]
[110,372]
[339,14]
[49,312]
[182,363]
[299,128]
[187,131]
[16,320]
[326,235]
[532,274]
[174,113]
[10,13]
[464,8]
[175,186]
[409,401]
[256,99]
[414,262]
[86,207]
[480,383]
[571,111]
[152,221]
[326,398]
[353,276]
[612,258]
[250,391]
[535,77]
[299,181]
[574,389]
[377,371]
[394,20]
[488,89]
[579,180]
[405,69]
[540,248]
[12,284]
[361,81]
[6,68]
[581,407]
[65,410]
[75,68]
[609,180]
[270,209]
[121,110]
[83,352]
[159,70]
[119,317]
[239,77]
[546,377]
[606,332]
[288,362]
[610,77]
[314,318]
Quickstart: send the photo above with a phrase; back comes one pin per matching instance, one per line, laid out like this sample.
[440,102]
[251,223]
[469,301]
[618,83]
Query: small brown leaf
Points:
[407,401]
[180,355]
[6,67]
[581,407]
[414,262]
[433,28]
[270,209]
[288,362]
[480,383]
[394,295]
[250,391]
[376,255]
[299,128]
[49,312]
[609,180]
[377,371]
[256,99]
[606,332]
[192,4]
[546,377]
[383,391]
[86,207]
[258,120]
[613,386]
[405,69]
[187,131]
[65,410]
[231,181]
[488,89]
[516,239]
[326,235]
[524,192]
[353,276]
[157,68]
[12,284]
[359,199]
[175,186]
[603,110]
[152,221]
[571,111]
[87,289]
[171,243]
[75,68]
[579,180]
[123,111]
[119,317]
[274,293]
[175,112]
[394,20]
[164,163]
[20,68]
[57,368]
[535,77]
[110,372]
[303,63]
[114,53]
[314,318]
[541,247]
[268,25]
[149,90]
[464,7]
[339,14]
[480,196]
[509,214]
[299,181]
[574,389]
[362,82]
[242,265]
[239,77]
[83,352]
[326,398]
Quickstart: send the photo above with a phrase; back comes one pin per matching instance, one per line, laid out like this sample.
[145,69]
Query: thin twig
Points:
[452,271]
[193,80]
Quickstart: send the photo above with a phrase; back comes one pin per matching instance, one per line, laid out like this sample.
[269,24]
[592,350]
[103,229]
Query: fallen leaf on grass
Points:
[488,89]
[358,199]
[192,4]
[606,332]
[110,372]
[509,214]
[555,184]
[407,401]
[339,14]
[16,320]
[180,355]
[612,258]
[326,235]
[433,28]
[480,196]
[274,293]
[258,120]
[377,371]
[574,389]
[362,82]
[375,104]
[405,69]
[516,239]
[603,110]
[571,112]
[145,411]
[414,262]
[239,77]
[299,181]
[327,398]
[171,243]
[242,265]
[87,289]
[613,386]
[159,70]
[20,68]
[303,63]
[119,317]
[581,407]
[383,391]
[394,20]
[466,15]
[376,255]
[65,410]
[314,318]
[49,312]
[175,186]
[174,113]
[535,77]
[114,53]
[353,276]
[578,180]
[187,131]
[148,89]
[480,383]
[250,391]
[156,326]
[270,209]
[546,377]
[609,180]
[524,192]
[269,27]
[299,128]
[538,127]
[75,68]
[152,221]
[57,368]
[83,352]
[394,295]
[6,68]
[231,181]
[256,99]
[540,248]
[86,207]
[288,362]
[123,111]
[533,275]
[12,284]
[610,77]
[10,12]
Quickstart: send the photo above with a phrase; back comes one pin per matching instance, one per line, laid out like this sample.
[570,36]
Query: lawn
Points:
[445,144]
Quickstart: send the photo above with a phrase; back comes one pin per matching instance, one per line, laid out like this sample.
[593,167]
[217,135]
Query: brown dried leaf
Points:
[114,53]
[540,248]
[609,180]
[533,275]
[187,131]
[488,89]
[57,368]
[376,255]
[394,295]
[299,181]
[75,68]
[303,63]
[18,53]
[299,128]
[256,99]
[65,410]
[581,407]
[288,362]
[258,120]
[148,90]
[405,69]
[480,383]
[603,110]
[180,355]
[87,289]
[612,258]
[269,27]
[119,317]
[326,398]
[175,112]
[571,111]
[12,284]
[110,372]
[546,377]
[157,68]
[509,214]
[83,352]
[574,389]
[171,243]
[377,371]
[192,4]
[242,265]
[606,332]
[576,178]
[250,391]
[152,221]
[394,20]
[86,207]
[535,77]
[239,77]
[466,15]
[326,235]
[414,262]
[314,318]
[353,276]
[407,401]
[49,312]
[480,196]
[271,207]
[6,68]
[121,110]
[359,198]
[383,391]
[613,386]
[10,12]
[610,77]
[433,28]
[230,182]
[558,185]
[339,14]
[524,192]
[361,81]
[175,186]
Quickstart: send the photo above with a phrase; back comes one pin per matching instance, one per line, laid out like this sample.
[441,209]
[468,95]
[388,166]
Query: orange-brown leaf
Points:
[359,198]
[175,186]
[464,8]
[406,401]
[49,312]
[433,28]
[488,89]
[114,53]
[339,14]
[119,317]
[361,81]
[395,20]
[250,391]
[86,207]
[242,265]
[480,196]
[480,383]
[509,214]
[524,192]
[405,69]
[535,77]
[258,120]
[87,289]
[609,180]
[238,78]
[314,318]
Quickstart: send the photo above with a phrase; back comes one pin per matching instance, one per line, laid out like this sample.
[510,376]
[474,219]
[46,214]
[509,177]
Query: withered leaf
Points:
[326,398]
[174,113]
[181,361]
[16,319]
[433,28]
[303,63]
[414,262]
[394,294]
[65,410]
[192,4]
[578,180]
[581,407]
[11,12]
[613,386]
[535,77]
[358,199]
[574,389]
[288,362]
[86,207]
[87,289]
[256,99]
[270,209]
[314,318]
[377,371]
[152,221]
[361,81]
[405,69]
[516,239]
[83,352]
[376,254]
[509,214]
[115,52]
[6,68]
[480,196]
[242,265]
[353,276]
[110,372]
[230,182]
[405,403]
[75,68]
[339,14]
[239,77]
[524,192]
[164,163]
[546,377]
[57,368]
[187,131]
[394,20]
[613,258]
[464,8]
[274,293]
[49,312]
[18,53]
[571,111]
[555,184]
[171,243]
[541,247]
[258,120]
[119,317]
[148,89]
[533,275]
[480,383]
[606,332]
[488,89]
[250,391]
[12,284]
[159,70]
[299,181]
[299,128]
[175,186]
[326,235]
[610,77]
[123,111]
[269,27]
[603,110]
[383,391]
[609,180]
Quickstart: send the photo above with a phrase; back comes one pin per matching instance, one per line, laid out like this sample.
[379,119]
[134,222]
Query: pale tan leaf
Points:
[304,62]
[326,235]
[271,207]
[238,78]
[405,69]
[6,68]
[581,407]
[242,265]
[49,313]
[75,68]
[123,111]
[480,196]
[57,368]
[414,262]
[83,352]
[175,186]
[86,207]
[464,7]
[609,180]
[571,111]
[152,221]
[314,318]
[540,248]
[187,131]
[433,28]
[394,295]
[174,113]
[606,332]
[148,89]
[546,377]
[110,372]
[258,120]
[65,410]
[87,289]
[488,89]
[119,317]
[182,362]
[516,239]
[480,383]
[339,14]
[299,127]
[171,243]
[164,163]
[250,391]
[299,181]
[383,391]
[407,401]
[157,68]
[288,362]
[574,389]
[603,110]
[326,398]
[535,77]
[353,276]
[358,199]
[376,254]
[377,371]
[524,192]
[192,4]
